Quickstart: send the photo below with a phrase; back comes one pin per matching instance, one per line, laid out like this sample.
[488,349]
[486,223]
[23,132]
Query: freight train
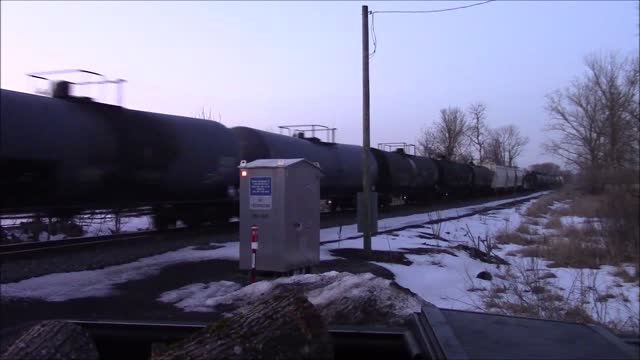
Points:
[63,154]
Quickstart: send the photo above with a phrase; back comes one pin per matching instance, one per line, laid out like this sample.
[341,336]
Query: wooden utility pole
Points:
[366,181]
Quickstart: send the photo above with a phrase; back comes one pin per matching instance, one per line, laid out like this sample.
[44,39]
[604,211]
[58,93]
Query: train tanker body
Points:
[535,180]
[482,179]
[426,181]
[72,152]
[529,181]
[502,177]
[396,175]
[341,164]
[520,174]
[455,179]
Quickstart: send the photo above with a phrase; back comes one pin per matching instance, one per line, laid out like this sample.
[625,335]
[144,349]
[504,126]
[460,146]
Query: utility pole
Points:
[366,181]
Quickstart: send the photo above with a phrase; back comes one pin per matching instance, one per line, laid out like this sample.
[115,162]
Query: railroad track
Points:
[35,248]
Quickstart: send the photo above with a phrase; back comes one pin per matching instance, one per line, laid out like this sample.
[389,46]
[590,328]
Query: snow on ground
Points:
[578,221]
[336,233]
[92,225]
[334,294]
[441,279]
[65,286]
[193,297]
[450,281]
[107,225]
[95,283]
[558,205]
[447,280]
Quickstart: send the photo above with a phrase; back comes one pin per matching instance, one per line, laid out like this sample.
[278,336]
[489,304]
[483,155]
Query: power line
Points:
[373,27]
[428,11]
[373,35]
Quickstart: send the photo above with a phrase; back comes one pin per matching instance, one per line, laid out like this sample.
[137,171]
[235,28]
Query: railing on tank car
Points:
[55,82]
[301,131]
[398,146]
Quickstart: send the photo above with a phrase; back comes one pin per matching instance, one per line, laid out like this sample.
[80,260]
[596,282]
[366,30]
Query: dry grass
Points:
[526,229]
[621,227]
[529,291]
[540,207]
[617,240]
[532,221]
[554,223]
[584,205]
[530,251]
[505,237]
[575,254]
[525,289]
[617,209]
[574,247]
[625,276]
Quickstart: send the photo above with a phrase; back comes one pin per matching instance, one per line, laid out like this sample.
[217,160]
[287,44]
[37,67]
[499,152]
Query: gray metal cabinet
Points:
[281,197]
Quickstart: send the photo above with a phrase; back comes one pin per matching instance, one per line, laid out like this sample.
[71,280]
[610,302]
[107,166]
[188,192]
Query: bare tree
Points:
[547,168]
[505,145]
[596,119]
[447,137]
[206,114]
[514,144]
[478,132]
[494,148]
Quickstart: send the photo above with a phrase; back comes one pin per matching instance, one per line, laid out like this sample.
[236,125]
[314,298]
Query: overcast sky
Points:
[264,64]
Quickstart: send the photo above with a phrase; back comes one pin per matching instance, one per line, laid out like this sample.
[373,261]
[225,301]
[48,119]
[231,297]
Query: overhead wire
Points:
[372,13]
[430,11]
[373,35]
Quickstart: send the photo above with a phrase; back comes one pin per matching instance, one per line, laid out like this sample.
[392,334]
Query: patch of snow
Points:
[193,297]
[43,236]
[107,224]
[450,282]
[336,233]
[340,297]
[557,205]
[574,220]
[441,279]
[97,283]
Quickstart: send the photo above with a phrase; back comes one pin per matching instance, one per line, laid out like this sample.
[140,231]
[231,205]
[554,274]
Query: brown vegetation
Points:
[526,292]
[611,234]
[584,205]
[526,289]
[541,207]
[526,229]
[506,237]
[554,223]
[623,274]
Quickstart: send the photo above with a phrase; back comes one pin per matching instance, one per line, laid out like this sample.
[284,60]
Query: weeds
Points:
[623,274]
[542,206]
[435,222]
[484,244]
[524,289]
[554,223]
[526,229]
[505,237]
[532,221]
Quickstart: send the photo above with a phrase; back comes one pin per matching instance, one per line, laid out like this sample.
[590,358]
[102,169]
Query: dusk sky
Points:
[264,64]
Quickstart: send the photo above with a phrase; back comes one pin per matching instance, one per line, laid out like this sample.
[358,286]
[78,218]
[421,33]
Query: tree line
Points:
[464,136]
[594,122]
